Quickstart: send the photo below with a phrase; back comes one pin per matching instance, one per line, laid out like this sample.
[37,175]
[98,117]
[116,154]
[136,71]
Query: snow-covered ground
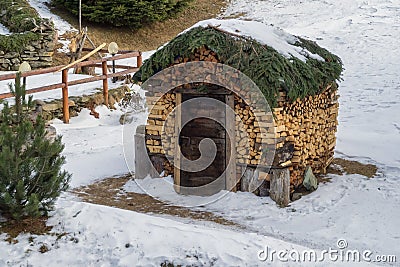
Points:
[41,7]
[364,212]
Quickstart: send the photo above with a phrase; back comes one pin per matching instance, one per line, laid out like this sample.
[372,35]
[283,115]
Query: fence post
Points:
[64,80]
[139,60]
[105,82]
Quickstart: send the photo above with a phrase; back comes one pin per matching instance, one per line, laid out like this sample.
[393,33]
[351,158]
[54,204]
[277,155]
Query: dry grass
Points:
[13,228]
[152,36]
[341,166]
[109,192]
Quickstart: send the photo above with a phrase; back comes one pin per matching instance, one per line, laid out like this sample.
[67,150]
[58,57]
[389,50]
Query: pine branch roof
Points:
[273,59]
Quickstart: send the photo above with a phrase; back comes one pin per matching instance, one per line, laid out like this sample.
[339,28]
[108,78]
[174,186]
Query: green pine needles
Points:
[30,163]
[264,65]
[132,13]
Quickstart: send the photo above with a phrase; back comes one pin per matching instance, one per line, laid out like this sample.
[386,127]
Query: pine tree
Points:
[132,13]
[30,163]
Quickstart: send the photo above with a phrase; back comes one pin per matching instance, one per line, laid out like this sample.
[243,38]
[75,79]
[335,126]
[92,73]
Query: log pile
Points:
[310,125]
[301,132]
[159,108]
[253,130]
[201,54]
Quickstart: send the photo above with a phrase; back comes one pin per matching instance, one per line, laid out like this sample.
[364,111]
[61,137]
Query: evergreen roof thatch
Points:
[267,67]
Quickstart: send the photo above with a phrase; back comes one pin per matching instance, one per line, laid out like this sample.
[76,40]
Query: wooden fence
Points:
[100,63]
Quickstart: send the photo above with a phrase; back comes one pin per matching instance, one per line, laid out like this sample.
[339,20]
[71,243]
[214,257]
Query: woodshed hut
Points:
[298,80]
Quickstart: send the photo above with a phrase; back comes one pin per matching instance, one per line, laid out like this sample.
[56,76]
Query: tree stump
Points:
[280,186]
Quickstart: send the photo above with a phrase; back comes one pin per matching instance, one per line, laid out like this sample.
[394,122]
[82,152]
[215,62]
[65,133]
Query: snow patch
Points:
[265,34]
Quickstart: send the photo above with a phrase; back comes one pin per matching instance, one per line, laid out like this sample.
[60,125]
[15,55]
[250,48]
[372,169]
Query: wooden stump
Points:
[280,186]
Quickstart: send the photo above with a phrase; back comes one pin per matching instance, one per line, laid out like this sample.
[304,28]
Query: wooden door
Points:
[205,181]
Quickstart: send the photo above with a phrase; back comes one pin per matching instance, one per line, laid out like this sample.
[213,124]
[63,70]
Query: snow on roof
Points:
[269,35]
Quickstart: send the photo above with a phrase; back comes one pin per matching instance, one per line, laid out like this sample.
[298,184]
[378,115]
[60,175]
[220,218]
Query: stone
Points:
[51,133]
[45,54]
[39,102]
[15,61]
[47,59]
[4,61]
[98,99]
[1,53]
[30,58]
[85,99]
[264,189]
[126,118]
[296,196]
[310,181]
[52,106]
[11,55]
[30,48]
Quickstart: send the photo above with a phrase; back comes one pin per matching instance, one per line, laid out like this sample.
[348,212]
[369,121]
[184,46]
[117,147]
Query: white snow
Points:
[106,236]
[363,211]
[265,34]
[4,30]
[365,35]
[41,7]
[94,147]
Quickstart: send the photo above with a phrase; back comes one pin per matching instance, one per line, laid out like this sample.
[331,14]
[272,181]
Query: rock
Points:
[30,48]
[51,106]
[84,99]
[264,189]
[126,118]
[47,59]
[98,99]
[46,54]
[296,196]
[310,181]
[51,133]
[4,61]
[39,102]
[11,55]
[111,101]
[15,61]
[30,58]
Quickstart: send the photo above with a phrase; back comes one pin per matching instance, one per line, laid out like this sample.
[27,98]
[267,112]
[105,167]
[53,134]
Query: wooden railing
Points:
[100,63]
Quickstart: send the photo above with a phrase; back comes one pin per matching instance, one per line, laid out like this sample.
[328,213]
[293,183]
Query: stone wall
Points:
[54,109]
[38,53]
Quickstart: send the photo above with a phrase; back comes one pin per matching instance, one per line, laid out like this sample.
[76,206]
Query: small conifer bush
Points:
[31,178]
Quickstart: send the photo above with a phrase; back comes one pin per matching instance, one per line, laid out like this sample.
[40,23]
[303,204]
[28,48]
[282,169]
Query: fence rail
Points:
[100,63]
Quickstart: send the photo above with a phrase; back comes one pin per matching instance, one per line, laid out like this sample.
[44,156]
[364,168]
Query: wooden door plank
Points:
[177,158]
[230,153]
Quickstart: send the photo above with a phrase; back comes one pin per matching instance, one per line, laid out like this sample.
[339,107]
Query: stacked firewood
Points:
[310,125]
[300,132]
[159,109]
[201,54]
[254,131]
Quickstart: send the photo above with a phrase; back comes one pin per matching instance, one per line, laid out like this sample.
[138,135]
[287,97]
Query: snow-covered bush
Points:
[30,163]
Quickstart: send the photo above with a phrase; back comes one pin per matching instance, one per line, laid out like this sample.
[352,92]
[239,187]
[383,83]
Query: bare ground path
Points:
[109,192]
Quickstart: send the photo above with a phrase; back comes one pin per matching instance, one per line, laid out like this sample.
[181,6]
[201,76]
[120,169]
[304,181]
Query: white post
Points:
[80,15]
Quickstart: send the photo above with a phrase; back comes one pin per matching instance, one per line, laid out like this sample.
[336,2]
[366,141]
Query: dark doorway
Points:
[204,125]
